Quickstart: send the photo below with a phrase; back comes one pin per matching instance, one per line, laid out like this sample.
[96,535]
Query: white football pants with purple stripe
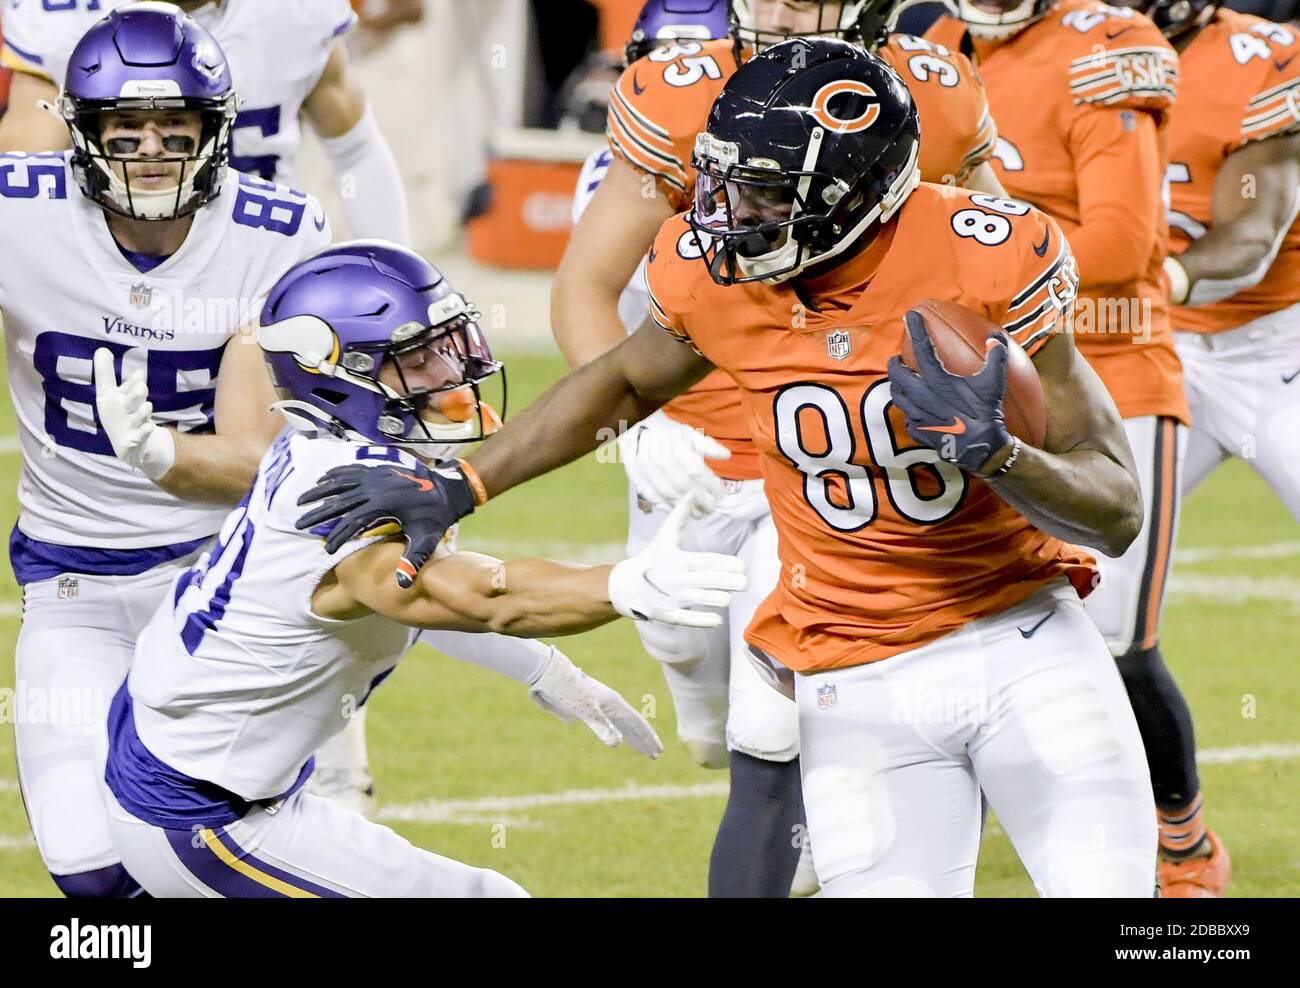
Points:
[303,847]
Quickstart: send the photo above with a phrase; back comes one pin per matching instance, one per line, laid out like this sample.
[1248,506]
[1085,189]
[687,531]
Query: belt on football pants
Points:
[1253,332]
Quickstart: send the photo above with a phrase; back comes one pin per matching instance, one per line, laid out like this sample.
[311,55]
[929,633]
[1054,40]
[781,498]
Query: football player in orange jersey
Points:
[1234,272]
[726,715]
[928,608]
[1083,92]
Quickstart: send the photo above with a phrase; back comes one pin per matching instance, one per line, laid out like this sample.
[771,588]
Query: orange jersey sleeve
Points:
[957,129]
[1240,84]
[883,546]
[660,103]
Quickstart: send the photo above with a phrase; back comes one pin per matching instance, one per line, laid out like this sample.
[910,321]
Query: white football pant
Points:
[1244,390]
[1026,705]
[305,847]
[74,649]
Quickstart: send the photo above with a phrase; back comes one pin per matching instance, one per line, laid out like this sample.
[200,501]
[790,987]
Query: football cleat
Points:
[1197,877]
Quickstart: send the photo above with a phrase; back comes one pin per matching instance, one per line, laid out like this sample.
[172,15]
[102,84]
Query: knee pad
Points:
[112,882]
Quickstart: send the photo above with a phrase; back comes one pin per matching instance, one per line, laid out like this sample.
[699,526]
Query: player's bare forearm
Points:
[606,246]
[215,469]
[1082,485]
[26,126]
[1256,195]
[466,591]
[588,407]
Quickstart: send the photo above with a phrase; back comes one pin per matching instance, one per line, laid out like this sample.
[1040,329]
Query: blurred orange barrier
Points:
[616,20]
[532,175]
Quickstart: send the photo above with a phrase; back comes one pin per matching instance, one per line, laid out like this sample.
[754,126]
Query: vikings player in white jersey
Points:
[288,59]
[241,673]
[130,264]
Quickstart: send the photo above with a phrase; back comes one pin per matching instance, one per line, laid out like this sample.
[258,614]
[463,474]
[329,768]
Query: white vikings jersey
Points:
[236,680]
[277,50]
[634,303]
[66,290]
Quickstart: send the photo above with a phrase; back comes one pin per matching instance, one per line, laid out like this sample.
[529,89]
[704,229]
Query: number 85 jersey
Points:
[66,289]
[884,547]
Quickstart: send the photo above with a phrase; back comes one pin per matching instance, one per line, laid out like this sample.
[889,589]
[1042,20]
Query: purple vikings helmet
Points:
[148,56]
[662,21]
[332,321]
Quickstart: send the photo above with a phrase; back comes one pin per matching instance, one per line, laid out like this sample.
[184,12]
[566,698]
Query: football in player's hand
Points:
[958,335]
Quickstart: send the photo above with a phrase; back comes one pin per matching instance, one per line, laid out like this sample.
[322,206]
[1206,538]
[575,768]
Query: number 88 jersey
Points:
[66,290]
[883,546]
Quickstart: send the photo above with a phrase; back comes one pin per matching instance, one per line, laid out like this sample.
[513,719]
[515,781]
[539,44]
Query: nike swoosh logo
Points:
[1030,632]
[1112,35]
[956,429]
[320,223]
[1041,249]
[1282,65]
[1288,378]
[636,86]
[420,482]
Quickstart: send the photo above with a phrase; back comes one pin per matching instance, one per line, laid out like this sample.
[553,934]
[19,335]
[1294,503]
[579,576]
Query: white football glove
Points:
[570,694]
[127,417]
[667,584]
[664,461]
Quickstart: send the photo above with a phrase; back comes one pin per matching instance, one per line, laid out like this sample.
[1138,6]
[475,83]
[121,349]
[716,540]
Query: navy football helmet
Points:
[1176,17]
[809,144]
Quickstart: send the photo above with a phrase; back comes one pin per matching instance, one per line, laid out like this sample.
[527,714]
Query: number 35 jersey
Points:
[66,290]
[277,51]
[884,547]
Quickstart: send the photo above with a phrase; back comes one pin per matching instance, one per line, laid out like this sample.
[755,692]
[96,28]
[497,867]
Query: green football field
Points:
[467,766]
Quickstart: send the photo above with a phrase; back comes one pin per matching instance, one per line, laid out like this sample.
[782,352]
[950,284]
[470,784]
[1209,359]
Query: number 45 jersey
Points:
[1240,84]
[66,290]
[884,547]
[277,51]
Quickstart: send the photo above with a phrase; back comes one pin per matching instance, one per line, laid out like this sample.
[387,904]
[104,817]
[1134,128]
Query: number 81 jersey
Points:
[66,289]
[884,547]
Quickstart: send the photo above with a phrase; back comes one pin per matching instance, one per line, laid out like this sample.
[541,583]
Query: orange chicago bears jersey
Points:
[883,546]
[662,101]
[1042,84]
[1240,83]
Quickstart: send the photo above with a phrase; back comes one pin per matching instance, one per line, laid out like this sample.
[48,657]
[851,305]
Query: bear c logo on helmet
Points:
[821,108]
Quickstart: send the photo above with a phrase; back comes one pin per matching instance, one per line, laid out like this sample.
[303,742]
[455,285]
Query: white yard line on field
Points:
[490,810]
[1235,589]
[1213,553]
[496,809]
[10,444]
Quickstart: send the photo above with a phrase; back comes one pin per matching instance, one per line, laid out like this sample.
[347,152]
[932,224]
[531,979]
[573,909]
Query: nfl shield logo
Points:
[826,696]
[838,346]
[141,295]
[67,587]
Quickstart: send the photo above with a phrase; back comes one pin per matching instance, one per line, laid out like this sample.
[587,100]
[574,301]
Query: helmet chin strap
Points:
[992,27]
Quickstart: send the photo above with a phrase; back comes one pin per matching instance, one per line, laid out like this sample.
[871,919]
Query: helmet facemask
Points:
[1011,17]
[103,167]
[849,20]
[753,221]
